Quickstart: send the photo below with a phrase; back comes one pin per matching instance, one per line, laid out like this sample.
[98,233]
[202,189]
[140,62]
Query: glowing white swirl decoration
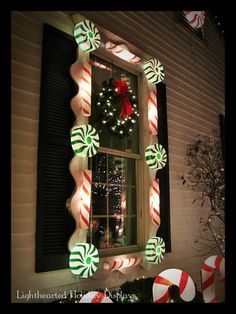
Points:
[87,36]
[155,250]
[84,260]
[195,18]
[155,156]
[154,71]
[84,140]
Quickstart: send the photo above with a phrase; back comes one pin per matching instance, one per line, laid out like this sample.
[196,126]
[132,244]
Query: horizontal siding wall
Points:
[195,98]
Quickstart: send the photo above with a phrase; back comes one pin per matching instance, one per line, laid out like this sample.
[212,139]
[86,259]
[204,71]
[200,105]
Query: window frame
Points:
[139,158]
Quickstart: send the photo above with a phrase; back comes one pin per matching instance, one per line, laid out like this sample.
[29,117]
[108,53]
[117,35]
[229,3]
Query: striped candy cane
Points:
[120,263]
[95,297]
[210,265]
[123,52]
[85,198]
[155,202]
[153,111]
[75,72]
[85,89]
[171,277]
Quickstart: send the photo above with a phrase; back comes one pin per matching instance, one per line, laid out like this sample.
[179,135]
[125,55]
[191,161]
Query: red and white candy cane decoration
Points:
[152,110]
[171,277]
[75,72]
[195,18]
[85,89]
[95,297]
[123,52]
[120,263]
[210,265]
[85,198]
[155,202]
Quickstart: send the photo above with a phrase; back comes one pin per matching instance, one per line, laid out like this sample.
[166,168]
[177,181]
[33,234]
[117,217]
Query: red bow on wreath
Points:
[122,88]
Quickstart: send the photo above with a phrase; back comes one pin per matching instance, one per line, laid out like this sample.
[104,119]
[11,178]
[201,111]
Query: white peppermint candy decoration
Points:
[155,250]
[155,156]
[195,18]
[87,36]
[84,140]
[84,260]
[154,71]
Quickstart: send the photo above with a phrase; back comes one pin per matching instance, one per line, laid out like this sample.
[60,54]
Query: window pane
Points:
[99,164]
[122,200]
[113,201]
[121,171]
[99,199]
[107,137]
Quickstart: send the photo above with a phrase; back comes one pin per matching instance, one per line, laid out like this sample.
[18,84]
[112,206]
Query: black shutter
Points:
[163,174]
[55,183]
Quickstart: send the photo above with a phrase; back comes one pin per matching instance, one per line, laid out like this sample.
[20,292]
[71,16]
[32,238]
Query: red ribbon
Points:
[121,88]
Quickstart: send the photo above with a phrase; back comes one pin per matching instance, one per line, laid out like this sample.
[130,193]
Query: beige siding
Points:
[195,97]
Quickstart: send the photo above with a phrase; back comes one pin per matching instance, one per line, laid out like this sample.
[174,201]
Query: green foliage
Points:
[141,288]
[109,108]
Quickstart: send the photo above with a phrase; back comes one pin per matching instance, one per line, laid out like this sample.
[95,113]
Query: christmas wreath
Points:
[117,106]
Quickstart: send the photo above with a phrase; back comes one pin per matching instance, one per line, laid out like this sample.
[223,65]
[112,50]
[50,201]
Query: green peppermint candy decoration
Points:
[155,156]
[155,250]
[154,71]
[87,35]
[84,140]
[84,260]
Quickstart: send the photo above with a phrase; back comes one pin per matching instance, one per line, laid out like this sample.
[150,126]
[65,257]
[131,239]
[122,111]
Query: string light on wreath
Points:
[118,107]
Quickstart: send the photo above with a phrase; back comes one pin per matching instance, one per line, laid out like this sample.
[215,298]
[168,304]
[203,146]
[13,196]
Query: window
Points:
[114,189]
[117,215]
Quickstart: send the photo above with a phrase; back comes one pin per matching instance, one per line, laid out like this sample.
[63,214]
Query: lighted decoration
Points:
[154,71]
[154,202]
[171,277]
[87,36]
[85,89]
[84,140]
[100,65]
[155,250]
[123,52]
[85,198]
[75,206]
[210,265]
[195,18]
[152,111]
[84,260]
[120,263]
[75,70]
[117,106]
[95,297]
[155,156]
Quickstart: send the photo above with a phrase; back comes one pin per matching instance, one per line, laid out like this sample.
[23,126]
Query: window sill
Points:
[113,252]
